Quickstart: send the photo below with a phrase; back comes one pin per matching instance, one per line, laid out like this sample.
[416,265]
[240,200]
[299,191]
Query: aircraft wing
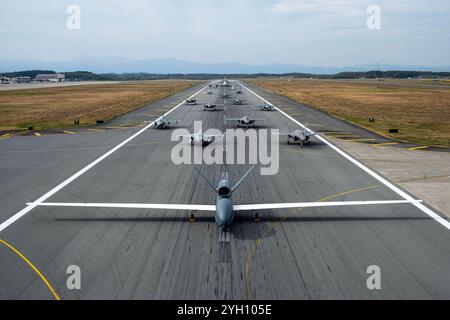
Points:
[198,207]
[265,206]
[212,208]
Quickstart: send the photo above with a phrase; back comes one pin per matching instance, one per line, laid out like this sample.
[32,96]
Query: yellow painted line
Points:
[37,134]
[272,226]
[96,129]
[6,136]
[417,148]
[384,144]
[32,267]
[315,125]
[357,140]
[335,132]
[344,136]
[152,115]
[69,132]
[117,127]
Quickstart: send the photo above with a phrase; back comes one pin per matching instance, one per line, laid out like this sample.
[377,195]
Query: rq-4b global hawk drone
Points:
[224,209]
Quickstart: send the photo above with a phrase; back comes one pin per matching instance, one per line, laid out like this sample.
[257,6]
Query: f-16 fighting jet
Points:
[245,121]
[163,123]
[210,107]
[191,101]
[201,138]
[299,135]
[266,107]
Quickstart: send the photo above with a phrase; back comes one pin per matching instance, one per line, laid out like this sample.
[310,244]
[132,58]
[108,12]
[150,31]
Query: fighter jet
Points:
[191,101]
[224,209]
[210,107]
[266,107]
[238,102]
[245,121]
[201,138]
[299,135]
[163,123]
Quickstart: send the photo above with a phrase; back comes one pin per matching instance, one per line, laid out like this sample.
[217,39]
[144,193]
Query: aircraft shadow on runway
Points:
[244,228]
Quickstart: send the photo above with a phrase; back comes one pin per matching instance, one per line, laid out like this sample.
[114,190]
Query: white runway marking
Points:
[388,184]
[27,209]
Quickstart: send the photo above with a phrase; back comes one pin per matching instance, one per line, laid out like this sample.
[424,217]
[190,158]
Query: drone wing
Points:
[162,206]
[266,206]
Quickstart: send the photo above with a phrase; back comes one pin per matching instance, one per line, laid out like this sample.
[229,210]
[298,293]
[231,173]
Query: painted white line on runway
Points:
[372,173]
[27,209]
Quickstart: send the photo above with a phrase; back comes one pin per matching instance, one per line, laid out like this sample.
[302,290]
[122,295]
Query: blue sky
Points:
[308,32]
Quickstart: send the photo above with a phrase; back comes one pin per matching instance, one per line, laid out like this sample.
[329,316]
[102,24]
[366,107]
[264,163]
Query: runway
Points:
[311,253]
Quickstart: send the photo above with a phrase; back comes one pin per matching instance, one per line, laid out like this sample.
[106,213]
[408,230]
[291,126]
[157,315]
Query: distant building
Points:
[51,77]
[23,79]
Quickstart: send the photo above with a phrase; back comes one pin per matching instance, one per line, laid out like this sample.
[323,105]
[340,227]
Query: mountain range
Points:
[117,64]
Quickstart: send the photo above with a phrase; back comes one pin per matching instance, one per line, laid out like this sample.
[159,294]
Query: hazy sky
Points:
[310,32]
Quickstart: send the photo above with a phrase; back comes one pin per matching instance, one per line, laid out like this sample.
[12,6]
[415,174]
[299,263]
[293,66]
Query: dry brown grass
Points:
[60,106]
[421,114]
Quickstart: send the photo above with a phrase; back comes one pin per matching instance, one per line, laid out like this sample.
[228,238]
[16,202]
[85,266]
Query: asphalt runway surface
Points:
[314,253]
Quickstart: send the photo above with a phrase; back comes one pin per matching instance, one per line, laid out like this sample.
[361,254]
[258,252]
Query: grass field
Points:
[58,107]
[421,114]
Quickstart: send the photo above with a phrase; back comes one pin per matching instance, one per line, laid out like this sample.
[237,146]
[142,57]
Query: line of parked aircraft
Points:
[224,209]
[300,136]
